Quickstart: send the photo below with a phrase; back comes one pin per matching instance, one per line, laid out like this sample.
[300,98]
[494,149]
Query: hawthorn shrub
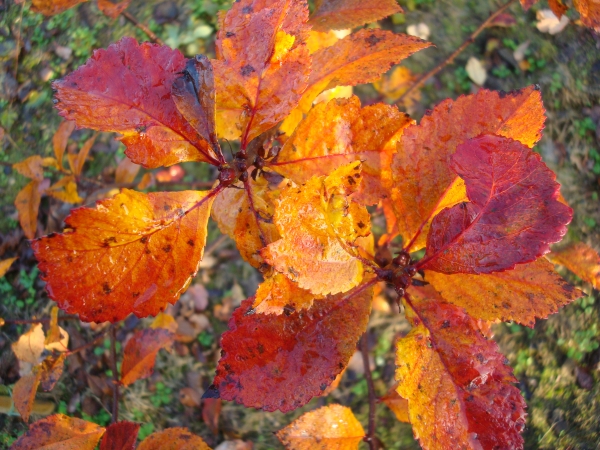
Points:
[473,206]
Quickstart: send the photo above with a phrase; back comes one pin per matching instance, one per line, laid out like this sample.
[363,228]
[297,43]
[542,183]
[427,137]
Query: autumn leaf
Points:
[53,7]
[65,190]
[458,385]
[580,259]
[589,11]
[259,81]
[423,181]
[60,140]
[27,203]
[24,393]
[173,439]
[246,216]
[513,217]
[339,132]
[357,59]
[53,334]
[393,85]
[134,253]
[140,353]
[60,431]
[113,9]
[529,291]
[318,40]
[30,345]
[281,362]
[397,404]
[341,14]
[120,436]
[51,370]
[165,321]
[327,428]
[558,7]
[126,171]
[127,88]
[278,294]
[319,225]
[5,265]
[32,167]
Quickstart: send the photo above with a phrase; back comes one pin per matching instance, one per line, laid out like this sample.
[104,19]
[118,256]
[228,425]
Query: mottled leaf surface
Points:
[127,88]
[580,259]
[422,175]
[173,439]
[281,362]
[319,225]
[51,370]
[458,385]
[589,10]
[342,14]
[140,353]
[134,253]
[60,432]
[331,427]
[120,436]
[263,65]
[513,217]
[530,291]
[278,294]
[339,132]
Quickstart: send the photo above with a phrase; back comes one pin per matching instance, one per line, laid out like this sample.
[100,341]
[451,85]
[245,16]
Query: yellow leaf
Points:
[5,265]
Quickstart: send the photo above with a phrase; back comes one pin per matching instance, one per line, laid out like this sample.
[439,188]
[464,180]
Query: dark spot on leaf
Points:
[190,242]
[505,305]
[106,288]
[360,225]
[229,34]
[323,387]
[147,251]
[288,310]
[247,70]
[167,248]
[69,259]
[351,181]
[372,40]
[446,324]
[144,239]
[470,398]
[167,208]
[261,348]
[135,294]
[247,10]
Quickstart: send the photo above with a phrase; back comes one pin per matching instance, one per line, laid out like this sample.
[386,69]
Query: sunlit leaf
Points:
[60,139]
[32,167]
[30,345]
[127,88]
[140,353]
[281,362]
[166,321]
[580,259]
[422,175]
[113,9]
[458,385]
[60,432]
[278,294]
[53,7]
[126,171]
[513,217]
[173,439]
[341,14]
[65,190]
[331,427]
[134,253]
[397,404]
[589,11]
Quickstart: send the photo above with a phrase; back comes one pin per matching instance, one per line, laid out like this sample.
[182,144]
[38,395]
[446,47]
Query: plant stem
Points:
[89,344]
[364,348]
[47,320]
[113,358]
[153,37]
[417,84]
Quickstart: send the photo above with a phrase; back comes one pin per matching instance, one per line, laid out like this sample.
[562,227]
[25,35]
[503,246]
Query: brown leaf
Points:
[27,204]
[113,9]
[24,393]
[60,432]
[51,370]
[53,7]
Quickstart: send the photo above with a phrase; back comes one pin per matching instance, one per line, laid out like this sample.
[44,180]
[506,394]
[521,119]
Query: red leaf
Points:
[127,88]
[120,436]
[281,362]
[513,217]
[140,353]
[459,388]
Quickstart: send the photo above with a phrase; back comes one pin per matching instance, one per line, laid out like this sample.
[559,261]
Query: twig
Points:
[26,321]
[18,46]
[153,37]
[113,358]
[364,348]
[417,84]
[89,344]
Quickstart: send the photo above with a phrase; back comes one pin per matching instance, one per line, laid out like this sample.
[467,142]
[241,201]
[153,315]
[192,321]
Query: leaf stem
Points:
[364,349]
[92,343]
[116,382]
[423,78]
[153,37]
[28,321]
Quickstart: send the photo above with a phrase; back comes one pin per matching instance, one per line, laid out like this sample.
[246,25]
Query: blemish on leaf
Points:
[247,70]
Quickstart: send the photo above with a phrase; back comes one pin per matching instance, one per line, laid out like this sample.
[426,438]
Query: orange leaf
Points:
[127,88]
[60,432]
[113,10]
[318,224]
[173,439]
[317,40]
[32,167]
[580,259]
[259,81]
[246,216]
[341,14]
[460,392]
[126,171]
[558,7]
[65,190]
[340,132]
[120,436]
[396,83]
[327,428]
[132,253]
[165,321]
[278,294]
[359,58]
[51,370]
[529,291]
[24,393]
[53,7]
[211,410]
[27,203]
[5,265]
[140,353]
[53,334]
[77,162]
[590,13]
[422,175]
[397,404]
[60,139]
[30,345]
